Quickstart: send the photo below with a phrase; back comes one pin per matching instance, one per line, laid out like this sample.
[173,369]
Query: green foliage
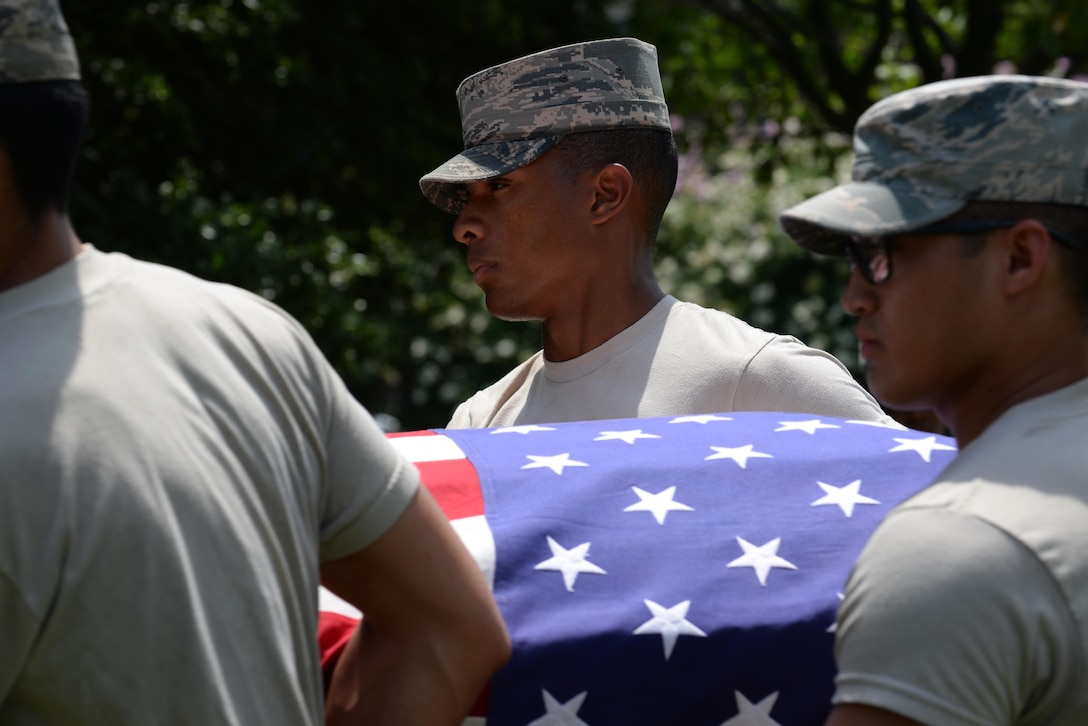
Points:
[277,144]
[721,246]
[768,92]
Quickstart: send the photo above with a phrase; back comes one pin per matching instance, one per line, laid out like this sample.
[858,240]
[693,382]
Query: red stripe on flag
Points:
[333,633]
[455,485]
[445,471]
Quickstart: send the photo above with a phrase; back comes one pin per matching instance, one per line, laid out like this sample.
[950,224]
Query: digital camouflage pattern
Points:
[922,154]
[34,43]
[514,112]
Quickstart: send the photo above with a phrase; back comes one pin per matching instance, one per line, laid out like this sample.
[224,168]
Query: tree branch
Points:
[917,22]
[774,29]
[852,86]
[984,21]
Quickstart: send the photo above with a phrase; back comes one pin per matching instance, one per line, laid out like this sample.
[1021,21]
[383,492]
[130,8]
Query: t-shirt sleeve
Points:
[363,485]
[786,375]
[462,416]
[947,619]
[368,483]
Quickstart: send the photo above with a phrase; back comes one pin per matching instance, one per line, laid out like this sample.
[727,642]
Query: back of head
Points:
[43,107]
[923,155]
[514,112]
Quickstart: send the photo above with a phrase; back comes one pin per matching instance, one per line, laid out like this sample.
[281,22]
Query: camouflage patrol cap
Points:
[923,154]
[34,43]
[514,112]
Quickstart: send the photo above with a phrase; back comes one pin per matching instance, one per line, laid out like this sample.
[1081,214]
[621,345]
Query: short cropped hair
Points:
[649,154]
[1067,218]
[41,129]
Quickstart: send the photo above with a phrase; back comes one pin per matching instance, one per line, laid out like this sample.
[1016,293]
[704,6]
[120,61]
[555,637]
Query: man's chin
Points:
[510,314]
[514,318]
[894,397]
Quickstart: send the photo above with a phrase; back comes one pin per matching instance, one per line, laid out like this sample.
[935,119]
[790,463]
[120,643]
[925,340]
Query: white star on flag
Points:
[845,497]
[702,418]
[527,429]
[570,562]
[669,623]
[753,715]
[628,436]
[739,454]
[556,463]
[923,447]
[761,559]
[659,504]
[809,427]
[561,714]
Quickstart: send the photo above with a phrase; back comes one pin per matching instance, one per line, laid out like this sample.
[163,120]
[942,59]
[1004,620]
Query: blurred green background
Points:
[276,145]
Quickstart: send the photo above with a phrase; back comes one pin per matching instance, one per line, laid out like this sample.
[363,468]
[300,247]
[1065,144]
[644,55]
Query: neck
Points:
[31,250]
[1065,363]
[594,321]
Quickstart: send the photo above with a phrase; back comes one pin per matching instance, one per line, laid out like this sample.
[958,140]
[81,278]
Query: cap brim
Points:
[825,222]
[40,58]
[444,187]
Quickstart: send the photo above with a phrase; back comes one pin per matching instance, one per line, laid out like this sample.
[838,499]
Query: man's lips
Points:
[479,269]
[868,344]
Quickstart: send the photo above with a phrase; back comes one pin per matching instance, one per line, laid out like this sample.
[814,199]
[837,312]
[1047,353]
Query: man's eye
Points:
[498,184]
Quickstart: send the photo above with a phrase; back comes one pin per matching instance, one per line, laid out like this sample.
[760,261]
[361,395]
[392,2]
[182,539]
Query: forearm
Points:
[431,635]
[425,680]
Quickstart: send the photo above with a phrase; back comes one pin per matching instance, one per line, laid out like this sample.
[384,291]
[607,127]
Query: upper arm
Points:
[416,576]
[786,375]
[367,483]
[948,619]
[462,416]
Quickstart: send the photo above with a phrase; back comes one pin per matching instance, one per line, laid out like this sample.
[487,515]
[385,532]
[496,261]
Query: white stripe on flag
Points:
[435,447]
[328,602]
[476,534]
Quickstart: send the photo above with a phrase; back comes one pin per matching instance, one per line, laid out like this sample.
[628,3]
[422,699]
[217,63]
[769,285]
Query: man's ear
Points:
[1028,246]
[613,190]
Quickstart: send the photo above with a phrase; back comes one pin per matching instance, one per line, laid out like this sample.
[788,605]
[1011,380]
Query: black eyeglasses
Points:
[872,256]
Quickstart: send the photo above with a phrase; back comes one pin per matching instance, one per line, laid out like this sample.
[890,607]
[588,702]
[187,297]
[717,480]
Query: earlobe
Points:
[612,192]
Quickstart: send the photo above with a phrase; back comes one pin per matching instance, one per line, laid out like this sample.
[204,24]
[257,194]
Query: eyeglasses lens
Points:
[880,264]
[870,255]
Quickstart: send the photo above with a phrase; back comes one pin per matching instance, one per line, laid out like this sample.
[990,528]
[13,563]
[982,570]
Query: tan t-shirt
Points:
[177,458]
[969,604]
[678,359]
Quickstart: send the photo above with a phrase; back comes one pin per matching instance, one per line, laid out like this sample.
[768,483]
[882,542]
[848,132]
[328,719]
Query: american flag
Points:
[663,571]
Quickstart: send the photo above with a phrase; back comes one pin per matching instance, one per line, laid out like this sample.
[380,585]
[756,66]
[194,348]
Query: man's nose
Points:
[468,227]
[859,296]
